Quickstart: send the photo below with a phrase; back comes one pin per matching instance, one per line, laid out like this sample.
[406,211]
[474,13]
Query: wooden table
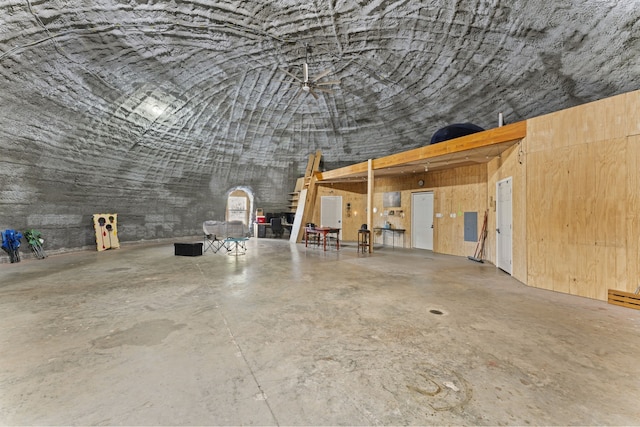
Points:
[324,232]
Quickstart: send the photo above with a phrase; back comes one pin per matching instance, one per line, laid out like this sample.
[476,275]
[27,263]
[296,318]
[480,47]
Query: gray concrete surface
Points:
[156,110]
[292,336]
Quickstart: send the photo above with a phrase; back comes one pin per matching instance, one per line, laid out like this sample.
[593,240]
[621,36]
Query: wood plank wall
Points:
[354,193]
[457,191]
[582,198]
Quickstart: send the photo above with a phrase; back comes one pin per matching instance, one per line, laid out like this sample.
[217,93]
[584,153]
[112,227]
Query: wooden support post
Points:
[370,178]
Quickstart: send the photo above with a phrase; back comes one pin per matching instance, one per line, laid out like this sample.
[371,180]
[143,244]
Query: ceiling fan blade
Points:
[328,83]
[321,75]
[293,86]
[292,75]
[315,95]
[319,89]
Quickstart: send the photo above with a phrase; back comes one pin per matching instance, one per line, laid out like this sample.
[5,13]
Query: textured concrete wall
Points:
[155,110]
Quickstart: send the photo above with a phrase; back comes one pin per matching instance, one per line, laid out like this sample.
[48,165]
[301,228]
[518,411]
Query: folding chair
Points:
[212,230]
[236,238]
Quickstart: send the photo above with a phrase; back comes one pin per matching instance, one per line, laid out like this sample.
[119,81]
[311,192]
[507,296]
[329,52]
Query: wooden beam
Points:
[498,135]
[309,169]
[358,168]
[316,161]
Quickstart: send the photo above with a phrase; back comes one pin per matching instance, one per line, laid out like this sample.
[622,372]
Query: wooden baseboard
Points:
[625,299]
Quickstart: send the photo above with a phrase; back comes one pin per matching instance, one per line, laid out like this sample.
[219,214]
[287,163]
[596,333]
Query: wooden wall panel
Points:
[614,117]
[542,132]
[405,184]
[632,108]
[582,199]
[633,214]
[354,193]
[457,191]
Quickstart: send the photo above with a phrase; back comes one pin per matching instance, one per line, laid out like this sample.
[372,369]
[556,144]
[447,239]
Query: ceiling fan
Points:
[308,84]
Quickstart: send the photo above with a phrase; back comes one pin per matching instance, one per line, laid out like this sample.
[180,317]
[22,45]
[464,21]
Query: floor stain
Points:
[148,333]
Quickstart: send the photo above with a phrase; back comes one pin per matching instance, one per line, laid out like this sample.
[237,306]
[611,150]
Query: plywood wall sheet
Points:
[588,262]
[558,267]
[577,215]
[547,185]
[540,133]
[459,190]
[546,210]
[633,214]
[632,108]
[581,196]
[589,121]
[581,257]
[605,260]
[596,121]
[570,216]
[621,278]
[539,265]
[610,191]
[566,125]
[614,117]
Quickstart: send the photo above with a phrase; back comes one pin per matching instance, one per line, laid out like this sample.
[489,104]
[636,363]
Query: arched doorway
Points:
[239,205]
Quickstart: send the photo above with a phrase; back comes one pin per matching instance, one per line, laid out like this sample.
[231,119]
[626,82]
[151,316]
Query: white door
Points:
[422,220]
[504,219]
[331,212]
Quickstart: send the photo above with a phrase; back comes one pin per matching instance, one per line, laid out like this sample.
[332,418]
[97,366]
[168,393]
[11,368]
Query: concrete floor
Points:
[292,336]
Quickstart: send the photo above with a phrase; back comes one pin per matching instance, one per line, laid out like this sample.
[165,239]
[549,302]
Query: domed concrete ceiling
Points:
[157,109]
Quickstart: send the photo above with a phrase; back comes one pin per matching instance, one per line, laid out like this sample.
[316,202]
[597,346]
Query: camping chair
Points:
[236,238]
[212,230]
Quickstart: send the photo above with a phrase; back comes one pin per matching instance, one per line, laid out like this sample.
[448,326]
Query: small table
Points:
[232,243]
[393,234]
[322,231]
